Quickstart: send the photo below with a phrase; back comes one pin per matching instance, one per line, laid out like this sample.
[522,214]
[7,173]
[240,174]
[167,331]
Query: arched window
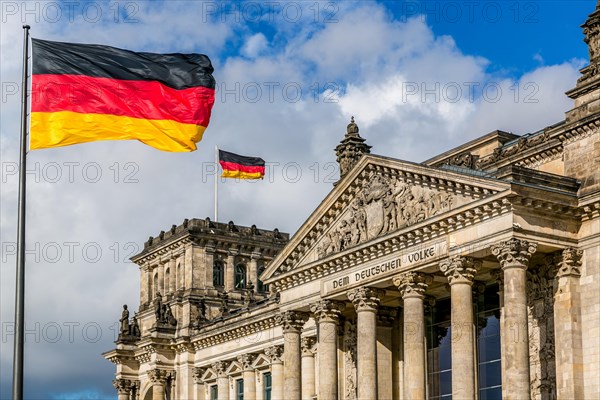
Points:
[180,278]
[240,276]
[218,273]
[168,280]
[261,287]
[155,285]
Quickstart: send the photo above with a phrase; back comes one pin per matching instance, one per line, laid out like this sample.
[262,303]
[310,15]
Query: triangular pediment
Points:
[381,196]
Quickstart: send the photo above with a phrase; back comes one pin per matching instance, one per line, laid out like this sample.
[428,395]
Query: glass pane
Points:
[445,383]
[489,348]
[491,394]
[490,374]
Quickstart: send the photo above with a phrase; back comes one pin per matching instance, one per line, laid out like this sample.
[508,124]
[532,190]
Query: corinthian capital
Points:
[197,373]
[123,386]
[158,376]
[365,298]
[327,310]
[292,321]
[412,284]
[569,263]
[220,368]
[460,269]
[246,360]
[307,345]
[514,253]
[274,353]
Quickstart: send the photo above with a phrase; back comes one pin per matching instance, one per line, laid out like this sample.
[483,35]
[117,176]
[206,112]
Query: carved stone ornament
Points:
[220,368]
[386,316]
[412,284]
[246,361]
[460,269]
[350,149]
[123,386]
[327,310]
[291,321]
[197,374]
[466,160]
[591,30]
[307,345]
[569,263]
[350,351]
[514,253]
[365,298]
[383,205]
[274,354]
[158,376]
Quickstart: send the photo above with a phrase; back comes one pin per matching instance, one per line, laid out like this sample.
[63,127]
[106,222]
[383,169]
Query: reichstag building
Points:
[474,274]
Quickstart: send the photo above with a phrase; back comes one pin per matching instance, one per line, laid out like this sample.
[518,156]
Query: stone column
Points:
[308,368]
[209,262]
[253,268]
[567,327]
[220,368]
[230,270]
[327,314]
[248,375]
[158,377]
[412,287]
[274,353]
[366,301]
[199,389]
[292,323]
[460,272]
[514,255]
[123,387]
[145,289]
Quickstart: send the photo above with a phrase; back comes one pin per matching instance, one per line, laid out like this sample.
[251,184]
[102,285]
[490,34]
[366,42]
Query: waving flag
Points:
[242,167]
[85,93]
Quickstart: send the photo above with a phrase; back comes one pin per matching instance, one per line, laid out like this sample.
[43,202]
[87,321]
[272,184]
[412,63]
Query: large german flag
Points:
[84,93]
[242,167]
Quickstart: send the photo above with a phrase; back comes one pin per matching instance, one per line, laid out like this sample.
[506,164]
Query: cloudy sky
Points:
[420,78]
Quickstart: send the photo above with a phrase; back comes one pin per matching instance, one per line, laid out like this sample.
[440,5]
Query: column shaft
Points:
[249,384]
[223,388]
[308,369]
[414,349]
[291,323]
[158,391]
[277,381]
[514,255]
[463,356]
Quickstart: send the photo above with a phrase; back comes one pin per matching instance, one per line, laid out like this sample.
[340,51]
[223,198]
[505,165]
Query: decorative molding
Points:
[350,352]
[123,386]
[308,346]
[274,353]
[220,368]
[197,374]
[460,269]
[246,361]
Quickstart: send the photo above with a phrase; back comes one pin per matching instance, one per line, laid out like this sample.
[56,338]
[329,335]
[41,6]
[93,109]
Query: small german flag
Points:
[242,167]
[85,93]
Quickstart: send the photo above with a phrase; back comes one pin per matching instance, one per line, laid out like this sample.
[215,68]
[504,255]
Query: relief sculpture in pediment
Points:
[383,205]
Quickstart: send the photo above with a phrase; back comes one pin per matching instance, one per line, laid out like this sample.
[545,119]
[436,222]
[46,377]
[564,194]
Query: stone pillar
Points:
[220,368]
[209,262]
[366,301]
[567,327]
[253,268]
[158,377]
[292,323]
[308,368]
[274,353]
[123,387]
[327,314]
[412,287]
[161,278]
[248,375]
[514,255]
[460,272]
[145,289]
[230,270]
[199,389]
[173,275]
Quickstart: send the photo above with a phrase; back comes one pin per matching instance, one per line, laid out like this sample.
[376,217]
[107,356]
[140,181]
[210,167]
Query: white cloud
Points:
[255,45]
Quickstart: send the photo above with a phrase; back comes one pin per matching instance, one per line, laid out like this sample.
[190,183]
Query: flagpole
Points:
[216,183]
[18,350]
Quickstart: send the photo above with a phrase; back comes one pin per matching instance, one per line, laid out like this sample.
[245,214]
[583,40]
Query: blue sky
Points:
[420,78]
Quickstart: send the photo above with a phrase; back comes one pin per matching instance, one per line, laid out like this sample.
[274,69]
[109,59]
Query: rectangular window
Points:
[214,392]
[439,350]
[267,386]
[239,389]
[488,344]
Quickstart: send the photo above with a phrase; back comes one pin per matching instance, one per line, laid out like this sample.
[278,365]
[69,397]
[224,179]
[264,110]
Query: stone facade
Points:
[475,273]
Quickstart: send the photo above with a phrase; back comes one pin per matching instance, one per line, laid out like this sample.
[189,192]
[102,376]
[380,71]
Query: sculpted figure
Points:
[124,321]
[389,212]
[169,317]
[135,328]
[360,219]
[158,307]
